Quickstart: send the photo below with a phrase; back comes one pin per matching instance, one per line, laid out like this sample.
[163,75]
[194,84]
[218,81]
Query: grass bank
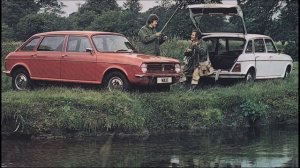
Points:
[60,110]
[65,109]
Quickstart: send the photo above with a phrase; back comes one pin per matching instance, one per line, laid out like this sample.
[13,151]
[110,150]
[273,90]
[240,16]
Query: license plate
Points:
[164,80]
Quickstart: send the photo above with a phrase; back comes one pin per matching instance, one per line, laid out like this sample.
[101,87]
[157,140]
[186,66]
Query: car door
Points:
[47,58]
[262,59]
[27,55]
[78,64]
[277,66]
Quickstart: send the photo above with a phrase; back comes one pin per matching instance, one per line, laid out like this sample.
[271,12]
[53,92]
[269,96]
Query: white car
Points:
[234,53]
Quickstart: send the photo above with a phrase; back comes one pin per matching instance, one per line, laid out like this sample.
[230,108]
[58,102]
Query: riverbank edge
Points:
[82,134]
[63,110]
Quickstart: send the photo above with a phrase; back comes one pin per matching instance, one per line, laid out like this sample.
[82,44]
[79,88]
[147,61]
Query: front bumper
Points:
[151,79]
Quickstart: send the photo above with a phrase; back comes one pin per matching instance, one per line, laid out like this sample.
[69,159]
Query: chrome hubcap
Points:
[21,82]
[115,83]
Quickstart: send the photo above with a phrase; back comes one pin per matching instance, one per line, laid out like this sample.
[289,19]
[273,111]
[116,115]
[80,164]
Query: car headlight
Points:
[144,68]
[177,68]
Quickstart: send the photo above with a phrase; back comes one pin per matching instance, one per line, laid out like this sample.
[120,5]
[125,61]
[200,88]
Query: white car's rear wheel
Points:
[250,76]
[287,73]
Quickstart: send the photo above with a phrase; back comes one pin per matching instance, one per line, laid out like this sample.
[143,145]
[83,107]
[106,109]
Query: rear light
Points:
[237,68]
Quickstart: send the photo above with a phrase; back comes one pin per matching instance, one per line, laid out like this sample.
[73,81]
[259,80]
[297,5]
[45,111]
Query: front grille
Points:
[160,67]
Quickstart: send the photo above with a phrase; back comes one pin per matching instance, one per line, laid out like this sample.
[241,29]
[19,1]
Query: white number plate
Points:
[164,80]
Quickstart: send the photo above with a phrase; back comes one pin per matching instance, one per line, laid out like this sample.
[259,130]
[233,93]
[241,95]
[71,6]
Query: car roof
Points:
[238,35]
[75,32]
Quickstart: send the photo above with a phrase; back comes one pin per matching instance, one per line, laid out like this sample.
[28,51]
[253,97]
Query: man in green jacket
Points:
[150,40]
[198,63]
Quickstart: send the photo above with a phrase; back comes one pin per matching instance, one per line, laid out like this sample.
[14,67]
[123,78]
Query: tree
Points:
[82,21]
[276,18]
[37,23]
[132,5]
[13,10]
[6,32]
[99,6]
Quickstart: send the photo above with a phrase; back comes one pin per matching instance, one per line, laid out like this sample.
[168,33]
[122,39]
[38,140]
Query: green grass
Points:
[69,109]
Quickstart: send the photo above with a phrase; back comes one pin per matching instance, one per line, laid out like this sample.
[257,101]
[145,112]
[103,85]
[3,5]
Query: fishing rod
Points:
[181,5]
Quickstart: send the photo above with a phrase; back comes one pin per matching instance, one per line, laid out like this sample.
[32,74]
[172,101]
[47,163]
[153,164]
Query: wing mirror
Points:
[279,51]
[89,50]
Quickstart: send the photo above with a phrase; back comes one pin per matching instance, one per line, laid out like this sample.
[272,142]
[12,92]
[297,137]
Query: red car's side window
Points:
[78,44]
[52,43]
[30,45]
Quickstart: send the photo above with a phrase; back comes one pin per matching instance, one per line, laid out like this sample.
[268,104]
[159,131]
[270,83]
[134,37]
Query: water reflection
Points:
[227,148]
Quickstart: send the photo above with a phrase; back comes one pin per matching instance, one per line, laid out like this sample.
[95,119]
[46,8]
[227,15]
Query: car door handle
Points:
[64,55]
[33,55]
[270,56]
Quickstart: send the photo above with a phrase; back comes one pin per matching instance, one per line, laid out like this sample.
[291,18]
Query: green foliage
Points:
[7,32]
[253,111]
[167,49]
[81,21]
[5,83]
[292,49]
[81,110]
[132,5]
[124,22]
[37,23]
[9,46]
[13,10]
[99,6]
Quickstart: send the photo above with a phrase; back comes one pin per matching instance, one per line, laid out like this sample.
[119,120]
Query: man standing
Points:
[197,60]
[150,40]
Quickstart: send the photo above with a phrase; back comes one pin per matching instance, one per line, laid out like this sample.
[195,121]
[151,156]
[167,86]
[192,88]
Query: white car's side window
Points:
[259,45]
[249,47]
[270,46]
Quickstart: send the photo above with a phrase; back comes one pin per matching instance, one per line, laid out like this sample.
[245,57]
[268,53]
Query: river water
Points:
[261,147]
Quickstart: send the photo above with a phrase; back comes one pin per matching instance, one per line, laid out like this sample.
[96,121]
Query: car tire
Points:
[286,73]
[116,81]
[21,80]
[250,76]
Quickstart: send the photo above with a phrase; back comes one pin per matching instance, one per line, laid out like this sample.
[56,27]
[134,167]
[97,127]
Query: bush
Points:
[292,49]
[8,47]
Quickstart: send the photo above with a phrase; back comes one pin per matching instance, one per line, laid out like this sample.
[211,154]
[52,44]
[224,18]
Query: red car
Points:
[87,57]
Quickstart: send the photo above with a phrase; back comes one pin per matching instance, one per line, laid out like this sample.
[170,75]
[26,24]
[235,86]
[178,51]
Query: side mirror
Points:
[89,50]
[279,51]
